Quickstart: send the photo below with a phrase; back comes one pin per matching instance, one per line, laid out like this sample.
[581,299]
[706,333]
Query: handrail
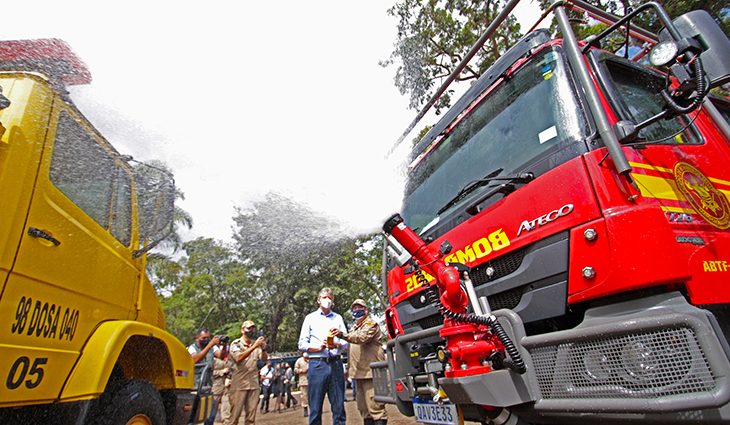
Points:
[575,58]
[610,19]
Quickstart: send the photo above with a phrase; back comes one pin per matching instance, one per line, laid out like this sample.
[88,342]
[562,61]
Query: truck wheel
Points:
[136,403]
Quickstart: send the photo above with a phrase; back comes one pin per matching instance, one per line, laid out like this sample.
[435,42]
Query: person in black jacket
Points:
[277,386]
[288,382]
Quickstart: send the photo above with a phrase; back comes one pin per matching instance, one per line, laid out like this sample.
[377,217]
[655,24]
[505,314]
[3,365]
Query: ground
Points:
[294,416]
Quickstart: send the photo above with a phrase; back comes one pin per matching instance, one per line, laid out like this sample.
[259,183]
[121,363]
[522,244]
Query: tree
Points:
[356,270]
[292,252]
[164,272]
[435,35]
[214,290]
[284,244]
[716,8]
[284,254]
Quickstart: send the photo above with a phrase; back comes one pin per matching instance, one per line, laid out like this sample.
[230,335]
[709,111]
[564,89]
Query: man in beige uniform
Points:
[365,348]
[220,375]
[244,391]
[301,367]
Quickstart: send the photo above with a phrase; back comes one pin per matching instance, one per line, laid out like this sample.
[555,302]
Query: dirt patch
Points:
[295,415]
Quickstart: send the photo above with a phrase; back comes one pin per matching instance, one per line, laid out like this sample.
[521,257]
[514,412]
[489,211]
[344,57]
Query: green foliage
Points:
[213,290]
[283,254]
[718,9]
[164,273]
[435,35]
[421,135]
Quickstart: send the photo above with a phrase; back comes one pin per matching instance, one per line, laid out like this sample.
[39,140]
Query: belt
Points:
[326,359]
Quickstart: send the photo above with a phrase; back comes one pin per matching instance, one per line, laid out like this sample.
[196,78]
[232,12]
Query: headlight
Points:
[597,365]
[663,53]
[640,360]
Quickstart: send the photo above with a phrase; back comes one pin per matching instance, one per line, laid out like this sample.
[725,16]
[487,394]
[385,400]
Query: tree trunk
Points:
[276,318]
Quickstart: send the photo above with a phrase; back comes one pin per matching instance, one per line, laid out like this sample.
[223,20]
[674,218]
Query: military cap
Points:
[359,302]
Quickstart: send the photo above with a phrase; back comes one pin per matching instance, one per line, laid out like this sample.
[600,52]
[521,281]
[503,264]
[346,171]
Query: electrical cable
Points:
[700,88]
[671,136]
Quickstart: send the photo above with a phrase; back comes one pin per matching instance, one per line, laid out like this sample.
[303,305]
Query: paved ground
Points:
[295,416]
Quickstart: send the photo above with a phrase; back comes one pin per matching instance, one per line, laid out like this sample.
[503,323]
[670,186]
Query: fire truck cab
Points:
[82,338]
[563,252]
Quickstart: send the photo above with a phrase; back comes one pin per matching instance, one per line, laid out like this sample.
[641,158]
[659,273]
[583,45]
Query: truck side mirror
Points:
[155,205]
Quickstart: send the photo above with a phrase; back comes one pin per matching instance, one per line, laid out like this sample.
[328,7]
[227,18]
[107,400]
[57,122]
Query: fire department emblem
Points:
[709,202]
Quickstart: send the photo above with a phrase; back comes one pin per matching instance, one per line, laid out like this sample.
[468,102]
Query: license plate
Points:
[428,412]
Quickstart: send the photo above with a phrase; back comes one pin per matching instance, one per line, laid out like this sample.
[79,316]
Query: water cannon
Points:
[476,343]
[447,277]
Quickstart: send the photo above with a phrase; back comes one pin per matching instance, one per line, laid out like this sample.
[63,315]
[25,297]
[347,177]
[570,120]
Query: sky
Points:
[243,98]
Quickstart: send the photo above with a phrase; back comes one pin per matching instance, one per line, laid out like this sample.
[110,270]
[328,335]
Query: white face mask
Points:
[326,303]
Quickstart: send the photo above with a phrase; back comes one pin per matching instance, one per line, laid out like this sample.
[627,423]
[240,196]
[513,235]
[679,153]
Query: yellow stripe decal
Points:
[725,182]
[657,187]
[650,167]
[678,209]
[670,171]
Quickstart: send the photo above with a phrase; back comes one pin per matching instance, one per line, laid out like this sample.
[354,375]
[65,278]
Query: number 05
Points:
[21,369]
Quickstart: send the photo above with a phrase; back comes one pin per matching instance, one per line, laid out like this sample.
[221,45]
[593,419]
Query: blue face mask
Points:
[358,313]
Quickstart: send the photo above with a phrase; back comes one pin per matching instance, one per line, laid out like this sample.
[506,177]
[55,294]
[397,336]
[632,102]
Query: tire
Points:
[135,403]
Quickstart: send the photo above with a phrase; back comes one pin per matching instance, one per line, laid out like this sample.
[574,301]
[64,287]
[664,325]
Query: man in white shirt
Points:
[265,374]
[202,351]
[326,374]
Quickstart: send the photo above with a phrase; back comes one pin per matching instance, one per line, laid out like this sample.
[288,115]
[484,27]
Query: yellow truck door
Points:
[21,141]
[74,267]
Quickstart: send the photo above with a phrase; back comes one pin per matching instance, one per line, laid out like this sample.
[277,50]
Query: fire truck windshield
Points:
[530,113]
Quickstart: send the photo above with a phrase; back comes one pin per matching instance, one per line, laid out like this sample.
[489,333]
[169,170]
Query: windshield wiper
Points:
[468,188]
[522,178]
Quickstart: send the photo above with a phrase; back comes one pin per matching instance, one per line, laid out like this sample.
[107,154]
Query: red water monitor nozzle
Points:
[447,277]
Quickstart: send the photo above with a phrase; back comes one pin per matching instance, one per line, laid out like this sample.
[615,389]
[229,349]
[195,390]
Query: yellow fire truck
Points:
[82,336]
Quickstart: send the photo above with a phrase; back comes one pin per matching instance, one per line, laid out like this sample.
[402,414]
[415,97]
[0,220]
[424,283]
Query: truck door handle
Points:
[38,233]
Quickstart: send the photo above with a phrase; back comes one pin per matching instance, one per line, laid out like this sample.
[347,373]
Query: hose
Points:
[517,364]
[700,88]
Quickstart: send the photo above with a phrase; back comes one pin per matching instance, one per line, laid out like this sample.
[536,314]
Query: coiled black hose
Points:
[517,364]
[700,88]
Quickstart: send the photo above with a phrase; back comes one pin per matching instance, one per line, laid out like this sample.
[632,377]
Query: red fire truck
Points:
[563,254]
